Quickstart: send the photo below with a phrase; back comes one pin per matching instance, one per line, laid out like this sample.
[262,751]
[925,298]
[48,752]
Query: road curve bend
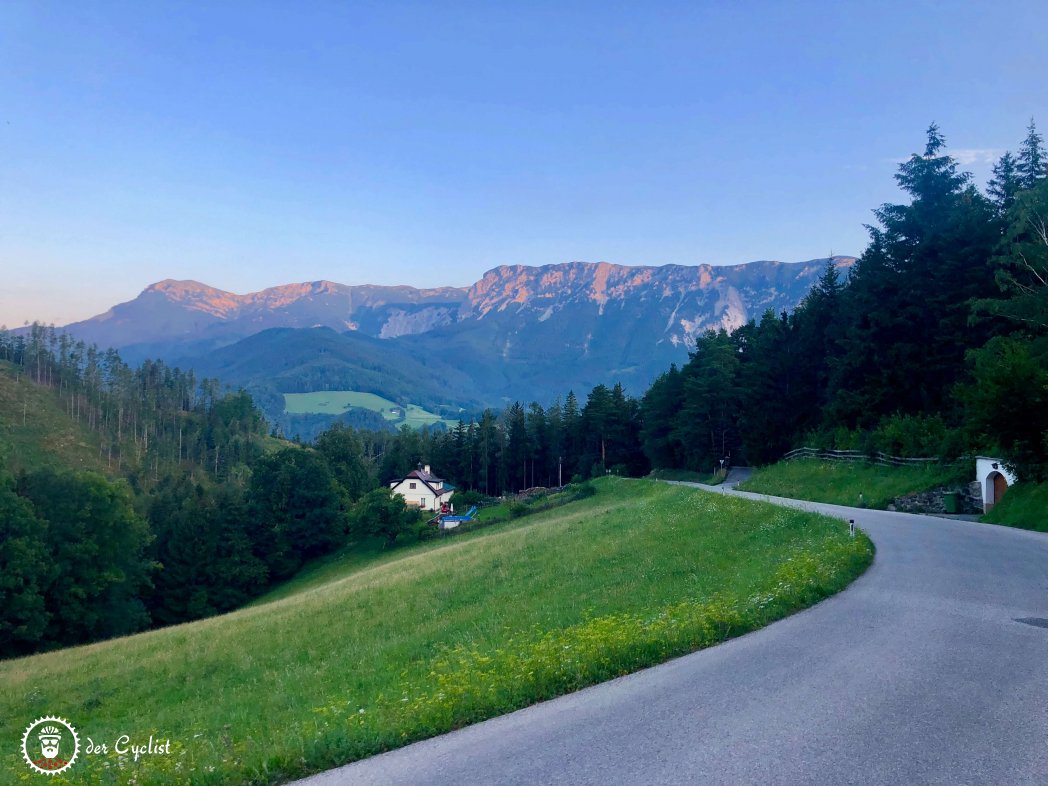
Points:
[918,673]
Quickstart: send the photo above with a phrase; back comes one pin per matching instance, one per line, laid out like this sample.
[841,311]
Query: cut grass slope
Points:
[841,483]
[36,431]
[1025,506]
[409,643]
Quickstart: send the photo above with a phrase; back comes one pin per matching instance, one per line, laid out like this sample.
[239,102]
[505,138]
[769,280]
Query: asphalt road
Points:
[918,673]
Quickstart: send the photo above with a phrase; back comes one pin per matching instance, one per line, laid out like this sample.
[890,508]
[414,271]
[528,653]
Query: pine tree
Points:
[816,322]
[1032,166]
[1022,263]
[1005,183]
[517,450]
[772,400]
[659,409]
[706,423]
[488,454]
[905,324]
[571,428]
[539,443]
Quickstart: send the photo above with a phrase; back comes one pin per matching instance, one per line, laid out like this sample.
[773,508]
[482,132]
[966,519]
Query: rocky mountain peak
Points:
[623,319]
[196,297]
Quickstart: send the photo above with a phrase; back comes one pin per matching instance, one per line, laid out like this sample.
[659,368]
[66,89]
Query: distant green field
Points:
[335,402]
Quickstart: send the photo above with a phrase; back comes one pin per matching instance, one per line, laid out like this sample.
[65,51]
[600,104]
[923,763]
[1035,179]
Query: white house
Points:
[423,490]
[994,479]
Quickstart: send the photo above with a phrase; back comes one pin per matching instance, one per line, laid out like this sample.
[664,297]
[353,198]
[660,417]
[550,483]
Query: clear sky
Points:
[252,144]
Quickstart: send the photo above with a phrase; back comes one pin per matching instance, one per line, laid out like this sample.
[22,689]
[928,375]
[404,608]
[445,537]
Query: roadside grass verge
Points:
[421,640]
[842,483]
[1025,506]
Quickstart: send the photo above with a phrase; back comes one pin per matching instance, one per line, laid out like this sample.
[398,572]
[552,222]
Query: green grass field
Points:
[335,402]
[369,651]
[1025,506]
[841,483]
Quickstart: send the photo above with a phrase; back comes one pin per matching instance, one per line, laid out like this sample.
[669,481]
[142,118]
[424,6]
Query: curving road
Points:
[919,673]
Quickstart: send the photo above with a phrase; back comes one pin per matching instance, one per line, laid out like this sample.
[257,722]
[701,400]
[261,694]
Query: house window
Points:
[411,486]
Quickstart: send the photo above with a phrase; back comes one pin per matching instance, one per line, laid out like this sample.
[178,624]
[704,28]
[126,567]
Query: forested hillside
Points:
[87,444]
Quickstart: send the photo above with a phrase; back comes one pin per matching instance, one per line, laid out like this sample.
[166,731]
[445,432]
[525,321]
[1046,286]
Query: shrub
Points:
[383,514]
[846,439]
[423,530]
[584,490]
[912,436]
[464,499]
[517,509]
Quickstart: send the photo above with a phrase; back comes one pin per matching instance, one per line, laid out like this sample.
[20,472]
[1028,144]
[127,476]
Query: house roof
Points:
[428,477]
[429,480]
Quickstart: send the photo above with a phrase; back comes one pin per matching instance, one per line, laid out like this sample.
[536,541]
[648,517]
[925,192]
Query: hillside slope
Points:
[425,639]
[36,429]
[283,360]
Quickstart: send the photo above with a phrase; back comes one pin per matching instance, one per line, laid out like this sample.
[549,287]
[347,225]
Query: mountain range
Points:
[519,332]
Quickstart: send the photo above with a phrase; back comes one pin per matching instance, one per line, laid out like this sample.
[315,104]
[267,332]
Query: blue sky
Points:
[253,144]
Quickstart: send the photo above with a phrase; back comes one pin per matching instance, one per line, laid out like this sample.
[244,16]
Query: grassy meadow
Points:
[842,483]
[1025,506]
[335,402]
[370,650]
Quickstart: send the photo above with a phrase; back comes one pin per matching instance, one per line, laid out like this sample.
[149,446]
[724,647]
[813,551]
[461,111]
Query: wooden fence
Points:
[856,455]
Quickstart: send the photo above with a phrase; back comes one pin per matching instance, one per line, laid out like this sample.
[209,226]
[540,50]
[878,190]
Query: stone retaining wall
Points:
[934,501]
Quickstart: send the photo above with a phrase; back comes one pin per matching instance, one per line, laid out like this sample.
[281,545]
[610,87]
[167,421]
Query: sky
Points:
[248,145]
